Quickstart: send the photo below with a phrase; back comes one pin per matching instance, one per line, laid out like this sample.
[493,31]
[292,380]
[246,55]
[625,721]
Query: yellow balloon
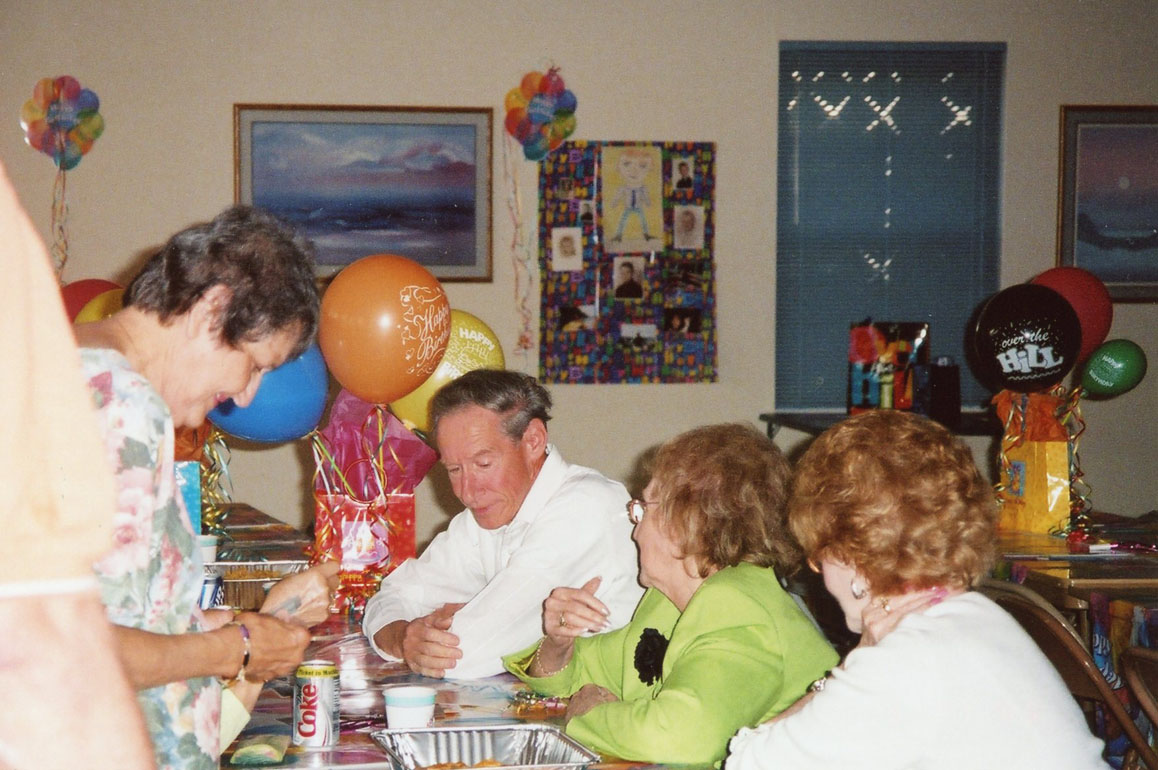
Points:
[514,98]
[101,306]
[472,346]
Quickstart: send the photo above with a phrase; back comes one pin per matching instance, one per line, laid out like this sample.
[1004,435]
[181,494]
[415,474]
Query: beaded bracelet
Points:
[240,677]
[535,658]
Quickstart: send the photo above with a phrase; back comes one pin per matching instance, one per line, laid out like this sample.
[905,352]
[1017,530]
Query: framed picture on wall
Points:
[412,181]
[1108,196]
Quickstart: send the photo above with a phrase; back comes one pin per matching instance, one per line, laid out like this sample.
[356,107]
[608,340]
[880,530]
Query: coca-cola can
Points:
[317,717]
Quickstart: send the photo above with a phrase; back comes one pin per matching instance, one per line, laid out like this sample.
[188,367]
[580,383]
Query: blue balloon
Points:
[566,102]
[541,109]
[288,404]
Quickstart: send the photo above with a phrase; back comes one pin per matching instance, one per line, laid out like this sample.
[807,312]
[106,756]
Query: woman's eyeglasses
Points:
[635,510]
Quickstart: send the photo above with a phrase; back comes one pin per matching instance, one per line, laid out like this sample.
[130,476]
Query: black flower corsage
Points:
[649,655]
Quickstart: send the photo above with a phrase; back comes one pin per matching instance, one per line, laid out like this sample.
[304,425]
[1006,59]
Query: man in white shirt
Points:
[532,522]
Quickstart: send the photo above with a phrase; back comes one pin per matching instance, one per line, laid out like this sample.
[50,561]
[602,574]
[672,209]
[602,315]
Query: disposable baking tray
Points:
[245,582]
[530,746]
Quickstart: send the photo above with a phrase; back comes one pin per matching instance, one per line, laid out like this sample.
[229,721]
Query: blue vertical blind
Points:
[888,202]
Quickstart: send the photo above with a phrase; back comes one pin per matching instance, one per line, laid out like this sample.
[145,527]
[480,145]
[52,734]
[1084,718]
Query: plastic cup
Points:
[208,545]
[409,706]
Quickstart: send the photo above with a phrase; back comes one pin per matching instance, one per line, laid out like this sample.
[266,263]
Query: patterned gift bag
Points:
[1035,463]
[368,465]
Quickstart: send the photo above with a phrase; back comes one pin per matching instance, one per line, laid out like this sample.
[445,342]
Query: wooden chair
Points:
[1065,649]
[1140,670]
[997,590]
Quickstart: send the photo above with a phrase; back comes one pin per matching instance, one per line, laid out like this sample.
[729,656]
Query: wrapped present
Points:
[368,465]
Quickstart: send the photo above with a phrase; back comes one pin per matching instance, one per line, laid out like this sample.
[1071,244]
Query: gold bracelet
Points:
[535,658]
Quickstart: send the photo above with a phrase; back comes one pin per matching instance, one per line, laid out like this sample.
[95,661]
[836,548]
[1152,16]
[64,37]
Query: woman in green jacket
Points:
[716,643]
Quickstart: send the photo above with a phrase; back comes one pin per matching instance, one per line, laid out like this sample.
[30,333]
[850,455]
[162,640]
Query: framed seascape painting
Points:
[1108,197]
[412,181]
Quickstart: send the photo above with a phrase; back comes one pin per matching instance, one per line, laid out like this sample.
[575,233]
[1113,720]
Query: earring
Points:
[858,591]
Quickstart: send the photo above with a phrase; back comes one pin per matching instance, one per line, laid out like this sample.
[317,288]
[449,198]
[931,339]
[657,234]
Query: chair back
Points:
[1065,649]
[1140,670]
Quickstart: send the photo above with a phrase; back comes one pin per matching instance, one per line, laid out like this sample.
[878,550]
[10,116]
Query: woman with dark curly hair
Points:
[214,309]
[891,510]
[715,643]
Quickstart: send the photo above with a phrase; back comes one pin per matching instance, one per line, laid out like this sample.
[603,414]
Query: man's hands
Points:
[425,643]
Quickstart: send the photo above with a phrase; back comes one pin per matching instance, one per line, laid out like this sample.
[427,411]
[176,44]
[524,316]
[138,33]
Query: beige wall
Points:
[168,75]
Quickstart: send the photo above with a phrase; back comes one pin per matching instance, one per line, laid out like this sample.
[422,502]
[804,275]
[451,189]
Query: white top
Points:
[571,527]
[958,687]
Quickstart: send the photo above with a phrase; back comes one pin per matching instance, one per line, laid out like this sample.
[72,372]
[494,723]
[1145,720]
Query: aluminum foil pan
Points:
[538,746]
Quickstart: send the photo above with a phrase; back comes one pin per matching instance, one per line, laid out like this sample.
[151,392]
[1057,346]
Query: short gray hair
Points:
[517,397]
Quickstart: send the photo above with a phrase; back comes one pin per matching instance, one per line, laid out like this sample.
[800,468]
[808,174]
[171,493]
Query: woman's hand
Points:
[572,612]
[882,614]
[567,613]
[214,619]
[304,597]
[588,697]
[275,646]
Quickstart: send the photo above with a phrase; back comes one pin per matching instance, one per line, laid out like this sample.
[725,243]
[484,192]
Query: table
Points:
[1066,580]
[252,535]
[363,675]
[1107,595]
[815,422]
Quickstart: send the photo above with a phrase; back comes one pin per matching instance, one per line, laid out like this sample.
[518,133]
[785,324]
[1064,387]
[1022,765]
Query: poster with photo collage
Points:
[625,262]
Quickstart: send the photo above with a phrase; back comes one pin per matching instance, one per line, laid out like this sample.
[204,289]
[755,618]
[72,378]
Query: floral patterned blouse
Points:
[151,579]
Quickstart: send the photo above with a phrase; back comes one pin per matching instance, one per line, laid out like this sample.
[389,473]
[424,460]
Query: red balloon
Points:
[1088,296]
[517,123]
[78,293]
[385,325]
[552,83]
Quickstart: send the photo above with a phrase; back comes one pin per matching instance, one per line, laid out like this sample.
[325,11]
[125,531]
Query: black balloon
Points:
[1027,338]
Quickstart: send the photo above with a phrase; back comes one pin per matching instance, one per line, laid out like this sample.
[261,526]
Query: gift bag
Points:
[368,537]
[882,359]
[1035,463]
[368,465]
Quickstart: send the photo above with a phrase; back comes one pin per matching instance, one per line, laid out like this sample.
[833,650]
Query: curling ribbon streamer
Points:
[216,486]
[1070,416]
[60,223]
[520,250]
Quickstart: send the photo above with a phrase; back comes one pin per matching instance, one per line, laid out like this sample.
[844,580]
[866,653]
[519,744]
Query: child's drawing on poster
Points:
[633,199]
[635,302]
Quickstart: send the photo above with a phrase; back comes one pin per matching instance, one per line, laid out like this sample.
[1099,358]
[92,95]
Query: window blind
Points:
[888,202]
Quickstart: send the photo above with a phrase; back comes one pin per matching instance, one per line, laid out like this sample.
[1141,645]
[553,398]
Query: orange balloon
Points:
[384,327]
[101,306]
[530,84]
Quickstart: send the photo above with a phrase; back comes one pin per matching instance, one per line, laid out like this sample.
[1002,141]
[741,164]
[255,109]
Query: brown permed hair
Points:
[897,497]
[722,491]
[267,266]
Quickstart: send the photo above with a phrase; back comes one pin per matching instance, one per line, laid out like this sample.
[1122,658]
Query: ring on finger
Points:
[562,620]
[884,603]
